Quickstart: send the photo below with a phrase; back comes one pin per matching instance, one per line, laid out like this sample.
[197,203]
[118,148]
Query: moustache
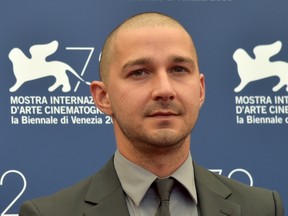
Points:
[165,107]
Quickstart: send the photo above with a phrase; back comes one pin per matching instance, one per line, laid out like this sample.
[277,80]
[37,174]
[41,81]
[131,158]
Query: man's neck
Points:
[161,162]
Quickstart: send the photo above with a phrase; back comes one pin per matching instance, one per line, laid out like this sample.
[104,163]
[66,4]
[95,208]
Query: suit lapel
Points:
[107,198]
[105,194]
[213,195]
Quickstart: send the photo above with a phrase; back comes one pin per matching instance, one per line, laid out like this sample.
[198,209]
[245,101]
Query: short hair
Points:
[148,19]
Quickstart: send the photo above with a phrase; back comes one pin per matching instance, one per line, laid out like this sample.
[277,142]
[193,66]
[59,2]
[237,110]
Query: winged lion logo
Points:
[27,69]
[261,67]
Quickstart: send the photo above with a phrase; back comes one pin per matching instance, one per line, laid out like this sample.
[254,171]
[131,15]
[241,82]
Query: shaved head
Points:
[139,21]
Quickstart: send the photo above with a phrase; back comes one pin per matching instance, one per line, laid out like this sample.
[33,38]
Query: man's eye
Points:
[179,69]
[138,73]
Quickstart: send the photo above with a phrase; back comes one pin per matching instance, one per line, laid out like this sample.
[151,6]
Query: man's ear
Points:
[202,89]
[101,97]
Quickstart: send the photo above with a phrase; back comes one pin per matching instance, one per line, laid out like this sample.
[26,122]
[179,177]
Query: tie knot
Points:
[164,188]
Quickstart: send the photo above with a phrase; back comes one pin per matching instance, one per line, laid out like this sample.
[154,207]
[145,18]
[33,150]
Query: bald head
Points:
[139,21]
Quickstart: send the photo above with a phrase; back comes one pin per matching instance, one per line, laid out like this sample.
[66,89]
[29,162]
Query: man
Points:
[151,86]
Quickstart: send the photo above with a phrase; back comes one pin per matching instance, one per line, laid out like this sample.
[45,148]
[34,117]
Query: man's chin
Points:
[166,138]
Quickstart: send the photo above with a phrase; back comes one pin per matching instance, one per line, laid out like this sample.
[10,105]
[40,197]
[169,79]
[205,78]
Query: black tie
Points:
[164,188]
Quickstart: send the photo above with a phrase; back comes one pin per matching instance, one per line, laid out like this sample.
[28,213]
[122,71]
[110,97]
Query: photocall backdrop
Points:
[52,136]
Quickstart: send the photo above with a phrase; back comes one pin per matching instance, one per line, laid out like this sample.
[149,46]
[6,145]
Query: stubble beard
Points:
[157,140]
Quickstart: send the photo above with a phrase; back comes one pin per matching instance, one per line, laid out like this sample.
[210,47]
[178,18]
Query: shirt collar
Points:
[131,174]
[185,175]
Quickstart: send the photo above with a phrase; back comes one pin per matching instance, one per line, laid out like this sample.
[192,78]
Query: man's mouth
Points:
[163,114]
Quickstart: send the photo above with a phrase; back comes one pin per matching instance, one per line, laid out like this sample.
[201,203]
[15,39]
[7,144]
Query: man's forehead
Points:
[128,35]
[150,29]
[139,21]
[140,37]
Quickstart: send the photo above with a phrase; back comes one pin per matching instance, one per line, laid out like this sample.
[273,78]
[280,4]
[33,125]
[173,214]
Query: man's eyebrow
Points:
[140,61]
[181,59]
[146,61]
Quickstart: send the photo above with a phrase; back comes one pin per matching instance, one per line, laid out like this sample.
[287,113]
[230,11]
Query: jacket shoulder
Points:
[79,198]
[248,197]
[254,197]
[68,201]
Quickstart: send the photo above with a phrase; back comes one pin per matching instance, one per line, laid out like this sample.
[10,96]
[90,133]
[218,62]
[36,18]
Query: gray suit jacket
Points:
[102,195]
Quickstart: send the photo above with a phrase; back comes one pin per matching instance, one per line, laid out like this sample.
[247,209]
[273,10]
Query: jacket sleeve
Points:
[279,209]
[29,209]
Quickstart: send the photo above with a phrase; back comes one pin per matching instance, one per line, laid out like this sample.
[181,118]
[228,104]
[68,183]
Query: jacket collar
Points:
[213,195]
[105,194]
[107,197]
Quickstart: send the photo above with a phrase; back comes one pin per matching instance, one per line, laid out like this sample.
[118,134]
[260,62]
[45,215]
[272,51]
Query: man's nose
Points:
[163,87]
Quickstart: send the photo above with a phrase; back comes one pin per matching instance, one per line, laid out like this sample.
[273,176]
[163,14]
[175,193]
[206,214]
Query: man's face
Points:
[154,87]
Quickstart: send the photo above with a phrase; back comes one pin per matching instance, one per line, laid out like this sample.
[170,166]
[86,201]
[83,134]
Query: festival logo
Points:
[261,67]
[27,69]
[257,108]
[51,109]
